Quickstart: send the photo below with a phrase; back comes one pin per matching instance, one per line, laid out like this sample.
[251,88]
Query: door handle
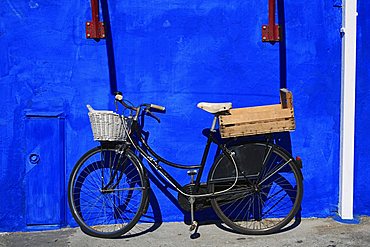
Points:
[34,158]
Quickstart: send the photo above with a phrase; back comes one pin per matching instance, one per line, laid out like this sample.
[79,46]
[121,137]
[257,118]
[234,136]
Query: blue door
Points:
[45,170]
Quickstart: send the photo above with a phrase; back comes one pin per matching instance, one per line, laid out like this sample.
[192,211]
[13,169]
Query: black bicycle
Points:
[254,187]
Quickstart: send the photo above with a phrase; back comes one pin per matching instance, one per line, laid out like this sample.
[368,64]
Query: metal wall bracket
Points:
[271,31]
[95,29]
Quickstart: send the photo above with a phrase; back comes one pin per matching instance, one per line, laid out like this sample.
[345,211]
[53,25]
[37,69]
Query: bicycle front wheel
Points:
[107,192]
[268,191]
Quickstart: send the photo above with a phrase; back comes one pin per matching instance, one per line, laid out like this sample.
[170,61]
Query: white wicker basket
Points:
[108,126]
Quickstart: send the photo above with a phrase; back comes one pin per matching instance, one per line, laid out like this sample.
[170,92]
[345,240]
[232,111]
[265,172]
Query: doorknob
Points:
[34,158]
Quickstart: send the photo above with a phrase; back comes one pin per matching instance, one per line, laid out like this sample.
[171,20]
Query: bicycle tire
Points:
[107,192]
[268,193]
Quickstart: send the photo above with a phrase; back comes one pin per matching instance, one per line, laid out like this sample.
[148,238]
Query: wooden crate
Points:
[260,119]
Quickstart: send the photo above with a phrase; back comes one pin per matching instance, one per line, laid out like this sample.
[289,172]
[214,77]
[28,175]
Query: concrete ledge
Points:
[311,232]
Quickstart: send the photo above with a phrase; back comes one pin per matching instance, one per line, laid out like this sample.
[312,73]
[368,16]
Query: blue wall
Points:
[177,53]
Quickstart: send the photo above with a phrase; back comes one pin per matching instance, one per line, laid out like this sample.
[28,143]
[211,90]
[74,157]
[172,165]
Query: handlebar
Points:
[157,107]
[118,97]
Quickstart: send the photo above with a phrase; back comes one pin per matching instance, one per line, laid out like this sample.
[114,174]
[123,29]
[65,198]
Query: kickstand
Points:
[195,234]
[194,225]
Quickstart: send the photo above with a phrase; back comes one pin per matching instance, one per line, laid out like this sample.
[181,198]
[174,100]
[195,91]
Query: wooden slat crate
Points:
[260,119]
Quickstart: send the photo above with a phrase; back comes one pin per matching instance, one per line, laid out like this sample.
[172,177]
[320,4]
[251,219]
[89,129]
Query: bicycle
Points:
[254,187]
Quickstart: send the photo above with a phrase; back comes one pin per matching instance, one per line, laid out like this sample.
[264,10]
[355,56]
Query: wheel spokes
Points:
[263,203]
[107,194]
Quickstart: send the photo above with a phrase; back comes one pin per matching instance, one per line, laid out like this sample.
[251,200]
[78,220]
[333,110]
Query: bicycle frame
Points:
[154,159]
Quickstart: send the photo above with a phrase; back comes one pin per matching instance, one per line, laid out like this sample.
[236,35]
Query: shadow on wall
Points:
[282,44]
[204,213]
[109,47]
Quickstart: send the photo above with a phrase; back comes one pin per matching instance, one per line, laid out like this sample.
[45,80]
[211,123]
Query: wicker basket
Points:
[108,126]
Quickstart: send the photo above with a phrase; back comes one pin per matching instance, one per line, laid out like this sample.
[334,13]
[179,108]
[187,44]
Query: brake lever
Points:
[152,115]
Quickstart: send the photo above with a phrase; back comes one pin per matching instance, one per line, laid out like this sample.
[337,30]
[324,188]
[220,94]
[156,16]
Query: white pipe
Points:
[348,96]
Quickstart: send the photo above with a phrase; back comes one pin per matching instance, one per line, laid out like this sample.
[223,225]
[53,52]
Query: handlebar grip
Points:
[118,96]
[157,107]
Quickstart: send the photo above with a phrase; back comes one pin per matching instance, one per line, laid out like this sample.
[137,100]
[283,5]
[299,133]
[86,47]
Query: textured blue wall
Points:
[176,53]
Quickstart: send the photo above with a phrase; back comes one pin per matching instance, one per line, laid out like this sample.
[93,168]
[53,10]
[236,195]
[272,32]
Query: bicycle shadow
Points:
[149,221]
[207,216]
[152,217]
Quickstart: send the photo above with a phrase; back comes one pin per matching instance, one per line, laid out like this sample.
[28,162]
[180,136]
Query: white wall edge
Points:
[348,100]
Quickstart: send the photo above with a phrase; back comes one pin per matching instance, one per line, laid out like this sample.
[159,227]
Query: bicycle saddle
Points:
[214,107]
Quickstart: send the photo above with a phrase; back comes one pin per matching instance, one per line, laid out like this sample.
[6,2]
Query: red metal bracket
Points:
[271,31]
[95,28]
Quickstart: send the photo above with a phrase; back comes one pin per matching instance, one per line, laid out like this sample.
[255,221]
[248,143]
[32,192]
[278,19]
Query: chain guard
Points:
[200,203]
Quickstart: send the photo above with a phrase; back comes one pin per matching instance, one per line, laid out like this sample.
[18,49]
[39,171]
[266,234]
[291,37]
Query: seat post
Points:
[214,123]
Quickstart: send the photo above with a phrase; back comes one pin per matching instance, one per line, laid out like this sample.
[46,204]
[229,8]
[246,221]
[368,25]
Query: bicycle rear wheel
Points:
[268,193]
[107,192]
